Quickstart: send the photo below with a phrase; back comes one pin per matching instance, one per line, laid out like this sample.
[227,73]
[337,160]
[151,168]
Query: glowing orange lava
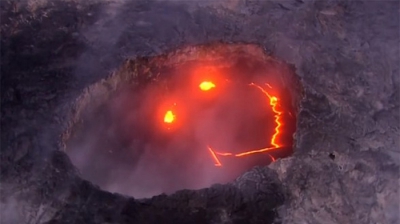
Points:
[273,102]
[218,163]
[169,117]
[255,151]
[216,160]
[206,85]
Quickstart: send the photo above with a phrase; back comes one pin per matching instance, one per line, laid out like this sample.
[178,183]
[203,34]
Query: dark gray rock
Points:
[345,168]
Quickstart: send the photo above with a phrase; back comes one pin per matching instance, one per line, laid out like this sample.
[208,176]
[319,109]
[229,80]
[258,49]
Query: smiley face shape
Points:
[199,106]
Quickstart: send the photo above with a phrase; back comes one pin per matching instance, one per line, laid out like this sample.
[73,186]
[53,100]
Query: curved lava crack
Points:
[273,102]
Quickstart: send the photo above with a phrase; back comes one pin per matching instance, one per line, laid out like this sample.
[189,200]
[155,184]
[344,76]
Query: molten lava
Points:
[206,85]
[169,117]
[273,102]
[214,156]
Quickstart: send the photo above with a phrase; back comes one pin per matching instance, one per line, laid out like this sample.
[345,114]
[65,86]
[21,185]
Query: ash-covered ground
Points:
[345,168]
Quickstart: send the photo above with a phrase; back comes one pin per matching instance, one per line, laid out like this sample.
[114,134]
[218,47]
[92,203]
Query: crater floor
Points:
[158,131]
[345,168]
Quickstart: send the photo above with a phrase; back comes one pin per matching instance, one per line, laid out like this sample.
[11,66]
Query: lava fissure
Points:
[216,160]
[187,120]
[273,101]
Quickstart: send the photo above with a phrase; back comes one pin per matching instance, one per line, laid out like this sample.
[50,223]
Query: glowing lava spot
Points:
[206,85]
[169,117]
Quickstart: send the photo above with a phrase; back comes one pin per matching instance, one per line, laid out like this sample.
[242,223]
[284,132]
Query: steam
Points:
[125,146]
[10,212]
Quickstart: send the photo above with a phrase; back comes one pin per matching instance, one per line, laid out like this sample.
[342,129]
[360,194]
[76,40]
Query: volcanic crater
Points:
[187,119]
[102,100]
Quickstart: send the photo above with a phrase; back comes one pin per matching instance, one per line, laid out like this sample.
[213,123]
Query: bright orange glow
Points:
[255,151]
[216,160]
[245,153]
[273,101]
[218,163]
[206,85]
[169,117]
[224,153]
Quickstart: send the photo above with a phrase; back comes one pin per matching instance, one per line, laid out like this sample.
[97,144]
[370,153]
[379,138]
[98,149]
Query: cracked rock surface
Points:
[345,168]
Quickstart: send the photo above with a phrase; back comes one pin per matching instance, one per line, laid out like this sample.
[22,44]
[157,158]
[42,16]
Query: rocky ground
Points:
[346,163]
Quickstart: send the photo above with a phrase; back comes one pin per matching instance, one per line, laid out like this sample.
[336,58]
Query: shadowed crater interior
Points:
[184,120]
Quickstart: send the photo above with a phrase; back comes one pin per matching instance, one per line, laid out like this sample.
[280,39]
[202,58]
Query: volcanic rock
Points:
[345,166]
